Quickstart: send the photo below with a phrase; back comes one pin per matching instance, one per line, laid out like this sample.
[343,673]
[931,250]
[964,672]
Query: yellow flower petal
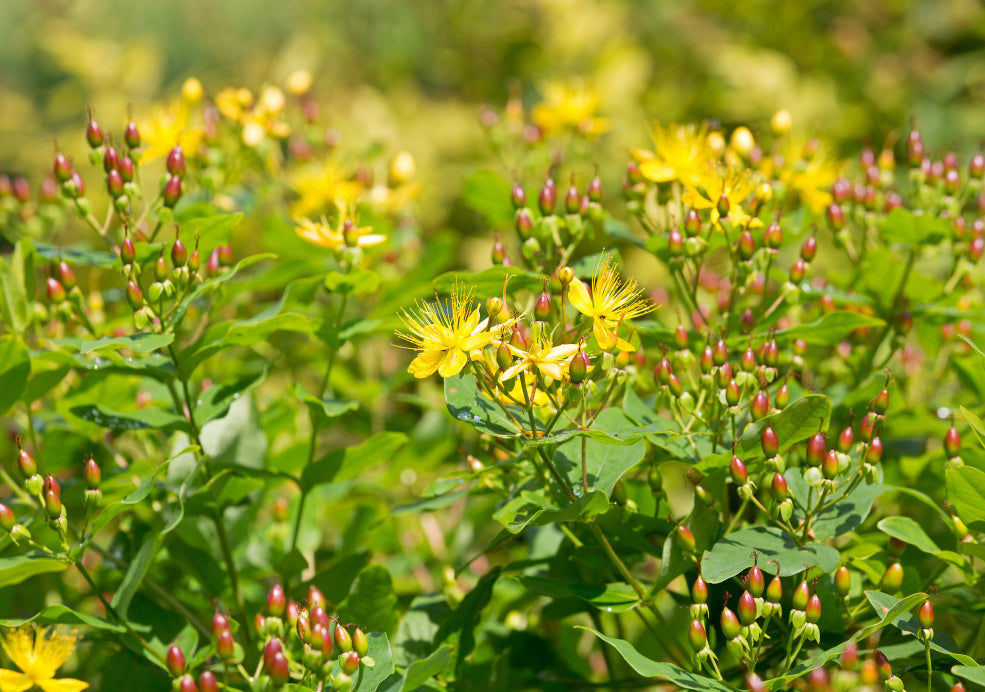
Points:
[579,298]
[12,681]
[452,363]
[426,364]
[63,685]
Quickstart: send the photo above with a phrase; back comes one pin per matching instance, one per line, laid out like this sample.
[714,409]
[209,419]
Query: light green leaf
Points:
[796,423]
[140,419]
[489,282]
[346,464]
[14,570]
[605,463]
[138,343]
[907,622]
[975,673]
[828,329]
[358,281]
[976,424]
[908,531]
[466,403]
[15,369]
[587,507]
[913,230]
[966,493]
[63,615]
[422,670]
[372,601]
[657,669]
[488,193]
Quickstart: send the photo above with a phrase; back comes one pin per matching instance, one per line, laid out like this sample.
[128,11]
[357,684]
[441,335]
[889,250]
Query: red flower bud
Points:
[770,442]
[594,190]
[579,367]
[732,393]
[836,217]
[845,440]
[842,581]
[774,592]
[782,397]
[684,538]
[26,464]
[131,135]
[892,578]
[699,590]
[720,354]
[518,196]
[219,624]
[675,243]
[175,661]
[696,635]
[746,246]
[62,168]
[207,682]
[127,170]
[359,642]
[175,162]
[801,596]
[813,610]
[746,609]
[127,252]
[547,199]
[737,471]
[350,663]
[187,684]
[271,649]
[773,236]
[278,668]
[759,408]
[342,639]
[55,291]
[276,601]
[952,442]
[92,474]
[809,249]
[135,297]
[179,253]
[114,183]
[172,191]
[816,449]
[730,623]
[7,518]
[778,487]
[94,135]
[111,159]
[925,616]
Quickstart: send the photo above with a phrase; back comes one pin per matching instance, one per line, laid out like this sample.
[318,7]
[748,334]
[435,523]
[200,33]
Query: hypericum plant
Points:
[760,422]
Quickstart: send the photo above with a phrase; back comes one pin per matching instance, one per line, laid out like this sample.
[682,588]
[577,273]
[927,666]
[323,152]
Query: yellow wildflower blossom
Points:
[38,654]
[682,153]
[541,399]
[165,126]
[805,175]
[542,357]
[612,301]
[736,183]
[569,107]
[322,234]
[319,185]
[257,119]
[447,335]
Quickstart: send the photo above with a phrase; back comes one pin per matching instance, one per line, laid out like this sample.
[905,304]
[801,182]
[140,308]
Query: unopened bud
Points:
[175,661]
[175,162]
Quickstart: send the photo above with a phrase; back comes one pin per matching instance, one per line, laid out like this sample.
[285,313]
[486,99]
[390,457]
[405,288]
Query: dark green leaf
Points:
[906,622]
[14,570]
[13,299]
[657,669]
[422,670]
[140,419]
[466,617]
[372,602]
[620,231]
[346,464]
[587,507]
[15,368]
[733,553]
[605,463]
[63,615]
[466,403]
[966,493]
[612,598]
[974,673]
[135,574]
[215,401]
[368,679]
[908,531]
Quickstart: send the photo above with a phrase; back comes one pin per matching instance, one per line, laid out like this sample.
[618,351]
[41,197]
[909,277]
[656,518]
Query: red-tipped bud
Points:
[179,253]
[276,601]
[867,427]
[187,684]
[842,581]
[952,442]
[836,217]
[737,471]
[92,474]
[684,538]
[746,246]
[813,609]
[572,200]
[875,450]
[175,162]
[350,663]
[594,190]
[114,183]
[675,243]
[7,518]
[778,487]
[809,249]
[135,297]
[925,616]
[111,159]
[318,616]
[724,375]
[696,635]
[674,383]
[131,135]
[770,442]
[271,649]
[207,682]
[774,592]
[773,236]
[883,665]
[782,397]
[747,361]
[25,462]
[722,205]
[94,135]
[278,668]
[760,407]
[579,367]
[830,466]
[754,683]
[663,371]
[957,687]
[881,404]
[746,609]
[62,168]
[845,440]
[360,644]
[343,641]
[816,449]
[699,590]
[224,644]
[225,256]
[850,659]
[892,578]
[771,353]
[160,268]
[172,191]
[680,337]
[547,199]
[720,354]
[755,581]
[54,289]
[801,596]
[730,623]
[797,271]
[542,308]
[175,661]
[220,623]
[518,195]
[127,251]
[692,223]
[732,393]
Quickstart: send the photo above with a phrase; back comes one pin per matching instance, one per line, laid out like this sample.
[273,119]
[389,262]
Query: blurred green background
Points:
[414,75]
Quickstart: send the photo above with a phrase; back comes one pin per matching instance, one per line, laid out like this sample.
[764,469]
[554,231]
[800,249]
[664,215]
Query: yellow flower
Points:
[569,106]
[543,357]
[735,182]
[319,185]
[164,126]
[257,119]
[447,336]
[321,234]
[806,173]
[38,654]
[682,153]
[611,302]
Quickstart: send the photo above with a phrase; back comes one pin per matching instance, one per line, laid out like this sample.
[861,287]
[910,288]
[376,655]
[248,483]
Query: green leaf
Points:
[976,424]
[466,617]
[422,670]
[466,403]
[612,598]
[657,669]
[215,401]
[14,570]
[15,368]
[138,343]
[63,615]
[345,464]
[828,329]
[135,574]
[372,602]
[841,517]
[797,422]
[13,300]
[908,531]
[211,231]
[358,281]
[489,193]
[621,231]
[906,622]
[818,660]
[140,419]
[76,255]
[368,679]
[242,333]
[974,673]
[966,493]
[732,554]
[210,284]
[605,463]
[587,507]
[489,282]
[913,230]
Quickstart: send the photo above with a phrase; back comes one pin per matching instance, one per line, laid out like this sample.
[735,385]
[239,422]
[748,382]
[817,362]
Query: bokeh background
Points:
[414,75]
